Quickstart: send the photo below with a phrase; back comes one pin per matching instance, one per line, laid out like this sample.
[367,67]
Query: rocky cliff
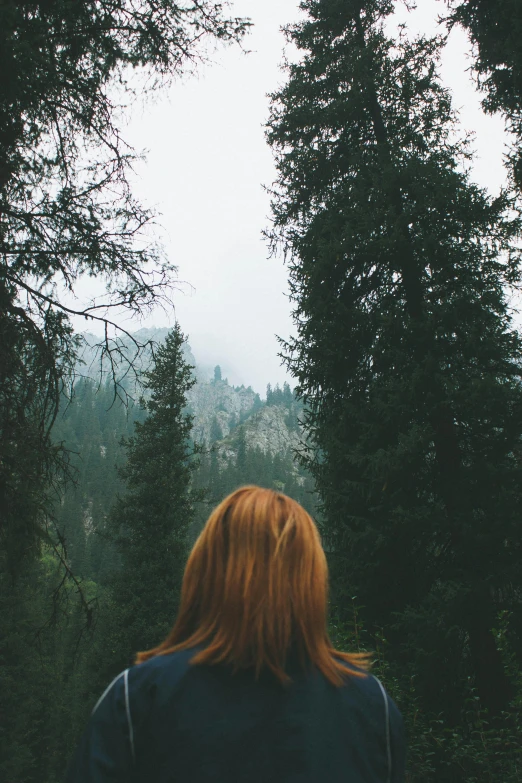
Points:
[267,430]
[218,408]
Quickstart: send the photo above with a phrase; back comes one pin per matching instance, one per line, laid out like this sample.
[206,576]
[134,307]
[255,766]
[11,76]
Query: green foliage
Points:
[152,519]
[278,396]
[495,29]
[479,747]
[66,206]
[44,695]
[288,400]
[92,426]
[33,368]
[65,633]
[407,365]
[405,356]
[218,475]
[216,433]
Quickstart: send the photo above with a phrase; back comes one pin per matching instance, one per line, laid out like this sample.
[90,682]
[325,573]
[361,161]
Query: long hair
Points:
[256,587]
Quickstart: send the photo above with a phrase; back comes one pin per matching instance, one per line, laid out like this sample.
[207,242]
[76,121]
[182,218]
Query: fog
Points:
[206,163]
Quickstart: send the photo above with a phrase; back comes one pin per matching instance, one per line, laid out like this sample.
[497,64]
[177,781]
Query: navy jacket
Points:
[164,721]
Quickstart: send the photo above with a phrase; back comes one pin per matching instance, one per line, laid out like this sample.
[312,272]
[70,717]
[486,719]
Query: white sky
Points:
[206,162]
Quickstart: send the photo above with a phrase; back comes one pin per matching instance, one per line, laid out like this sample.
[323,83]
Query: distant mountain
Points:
[245,439]
[95,364]
[218,408]
[223,414]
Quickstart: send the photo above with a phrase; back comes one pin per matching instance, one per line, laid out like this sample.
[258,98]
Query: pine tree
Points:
[288,397]
[405,355]
[30,462]
[44,698]
[216,433]
[257,404]
[495,30]
[67,208]
[153,517]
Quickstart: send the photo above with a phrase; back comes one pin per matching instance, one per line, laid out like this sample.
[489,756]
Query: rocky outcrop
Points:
[218,408]
[267,430]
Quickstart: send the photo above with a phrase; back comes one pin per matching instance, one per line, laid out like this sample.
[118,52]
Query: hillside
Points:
[217,407]
[244,439]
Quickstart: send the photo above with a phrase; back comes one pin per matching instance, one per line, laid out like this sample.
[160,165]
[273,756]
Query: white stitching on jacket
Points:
[388,740]
[105,692]
[127,709]
[125,676]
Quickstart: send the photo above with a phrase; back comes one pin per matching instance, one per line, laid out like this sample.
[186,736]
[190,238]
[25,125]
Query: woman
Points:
[247,686]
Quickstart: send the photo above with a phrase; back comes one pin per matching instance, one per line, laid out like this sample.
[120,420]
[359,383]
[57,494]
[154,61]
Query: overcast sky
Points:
[206,163]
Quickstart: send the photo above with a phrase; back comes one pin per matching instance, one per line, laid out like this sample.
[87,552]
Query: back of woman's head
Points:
[255,588]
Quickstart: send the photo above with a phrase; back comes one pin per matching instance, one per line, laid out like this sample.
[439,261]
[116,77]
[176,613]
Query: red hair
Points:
[256,585]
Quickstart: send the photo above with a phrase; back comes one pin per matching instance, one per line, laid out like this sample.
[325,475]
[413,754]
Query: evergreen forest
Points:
[401,434]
